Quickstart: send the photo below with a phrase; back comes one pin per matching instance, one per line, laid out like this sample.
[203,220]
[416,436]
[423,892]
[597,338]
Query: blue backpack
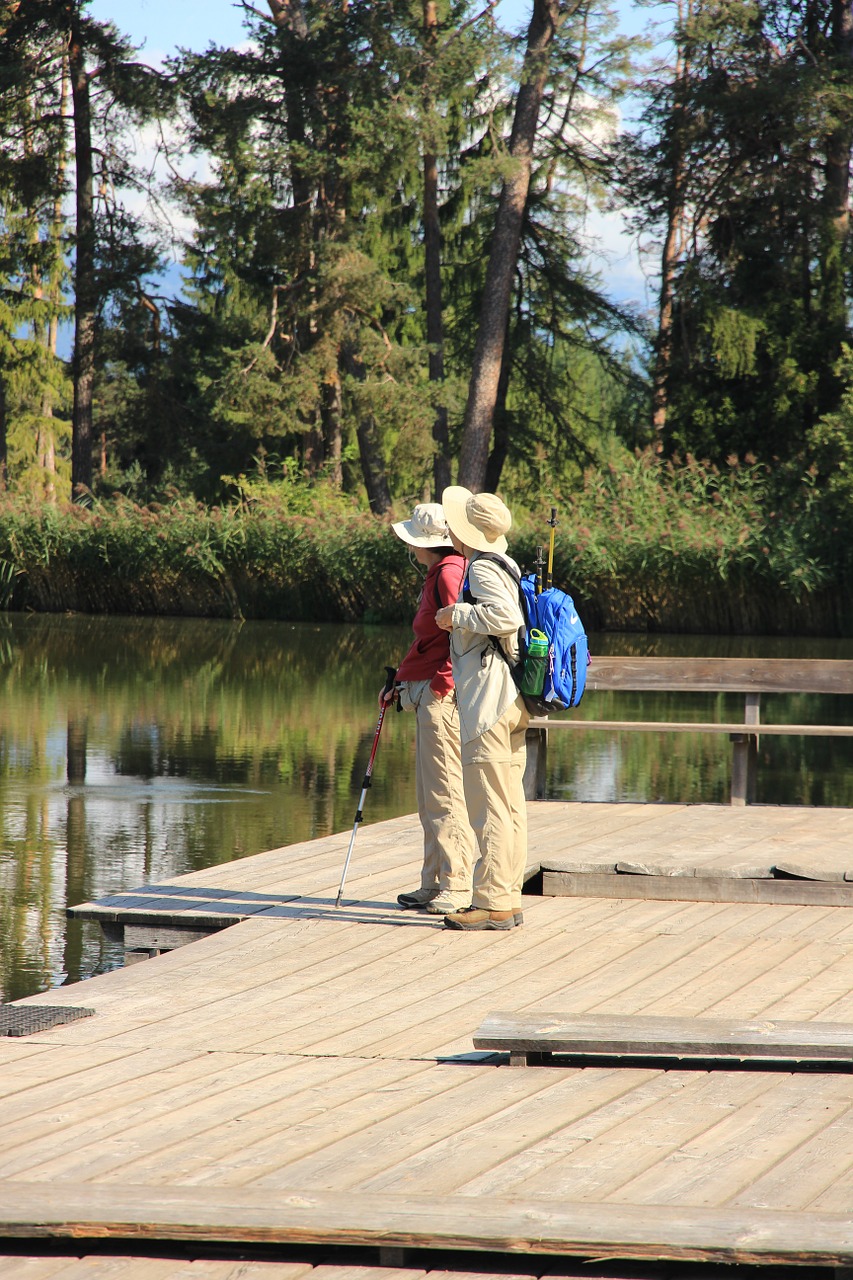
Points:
[553,612]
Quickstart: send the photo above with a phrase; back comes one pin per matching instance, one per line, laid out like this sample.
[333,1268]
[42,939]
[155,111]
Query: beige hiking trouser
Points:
[449,842]
[493,773]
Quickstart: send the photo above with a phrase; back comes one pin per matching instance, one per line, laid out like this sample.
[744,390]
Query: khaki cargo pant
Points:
[493,773]
[449,842]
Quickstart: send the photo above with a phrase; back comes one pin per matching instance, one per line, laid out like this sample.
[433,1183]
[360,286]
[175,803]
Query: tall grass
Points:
[663,545]
[646,545]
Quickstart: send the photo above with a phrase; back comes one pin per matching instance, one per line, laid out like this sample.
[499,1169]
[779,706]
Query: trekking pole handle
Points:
[539,562]
[553,523]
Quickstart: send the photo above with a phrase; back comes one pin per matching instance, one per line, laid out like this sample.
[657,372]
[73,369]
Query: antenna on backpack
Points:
[549,578]
[539,562]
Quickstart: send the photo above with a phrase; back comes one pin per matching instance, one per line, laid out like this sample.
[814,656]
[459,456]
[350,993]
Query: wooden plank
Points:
[741,842]
[832,864]
[600,1230]
[742,1144]
[748,973]
[695,888]
[35,1139]
[324,1102]
[394,1020]
[32,1268]
[267,996]
[730,728]
[163,1143]
[444,1165]
[812,1171]
[374,1135]
[591,1157]
[106,1267]
[396,1027]
[112,1266]
[826,994]
[637,1036]
[83,1073]
[136,909]
[720,675]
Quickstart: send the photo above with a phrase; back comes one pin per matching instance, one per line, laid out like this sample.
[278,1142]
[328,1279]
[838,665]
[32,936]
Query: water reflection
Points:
[135,750]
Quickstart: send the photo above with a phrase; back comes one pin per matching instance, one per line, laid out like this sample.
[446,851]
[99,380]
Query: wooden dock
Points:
[307,1078]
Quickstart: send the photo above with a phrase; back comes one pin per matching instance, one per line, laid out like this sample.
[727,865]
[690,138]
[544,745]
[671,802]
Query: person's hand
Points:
[387,696]
[444,618]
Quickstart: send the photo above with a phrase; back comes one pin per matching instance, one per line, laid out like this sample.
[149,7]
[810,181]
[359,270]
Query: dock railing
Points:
[748,676]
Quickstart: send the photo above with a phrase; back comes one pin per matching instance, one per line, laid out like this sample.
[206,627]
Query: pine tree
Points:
[754,131]
[44,42]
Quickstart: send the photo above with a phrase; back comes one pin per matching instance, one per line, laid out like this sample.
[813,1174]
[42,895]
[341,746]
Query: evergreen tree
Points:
[558,313]
[33,152]
[46,44]
[324,135]
[740,167]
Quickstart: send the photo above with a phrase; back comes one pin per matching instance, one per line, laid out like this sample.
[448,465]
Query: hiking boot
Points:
[449,901]
[417,898]
[480,918]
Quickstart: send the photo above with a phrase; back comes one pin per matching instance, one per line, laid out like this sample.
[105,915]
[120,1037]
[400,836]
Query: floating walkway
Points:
[307,1078]
[754,854]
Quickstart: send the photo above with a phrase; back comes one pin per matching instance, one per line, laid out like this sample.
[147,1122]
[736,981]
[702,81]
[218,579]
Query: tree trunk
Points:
[373,469]
[500,446]
[289,17]
[435,323]
[672,246]
[4,453]
[332,415]
[432,269]
[373,465]
[491,335]
[85,289]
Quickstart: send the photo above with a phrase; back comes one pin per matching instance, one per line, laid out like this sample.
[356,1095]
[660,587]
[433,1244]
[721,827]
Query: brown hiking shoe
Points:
[480,918]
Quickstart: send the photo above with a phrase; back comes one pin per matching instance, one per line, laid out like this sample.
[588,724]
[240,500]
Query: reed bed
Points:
[643,546]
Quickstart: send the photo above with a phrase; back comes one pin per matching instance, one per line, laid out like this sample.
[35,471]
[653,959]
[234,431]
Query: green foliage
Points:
[669,544]
[283,552]
[742,158]
[830,444]
[646,544]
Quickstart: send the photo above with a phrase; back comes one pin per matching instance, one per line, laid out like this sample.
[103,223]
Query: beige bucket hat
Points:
[479,520]
[427,527]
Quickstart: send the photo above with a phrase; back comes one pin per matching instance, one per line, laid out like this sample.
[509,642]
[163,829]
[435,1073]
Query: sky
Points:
[164,25]
[160,27]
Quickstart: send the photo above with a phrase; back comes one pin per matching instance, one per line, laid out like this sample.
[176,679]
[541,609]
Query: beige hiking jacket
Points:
[485,689]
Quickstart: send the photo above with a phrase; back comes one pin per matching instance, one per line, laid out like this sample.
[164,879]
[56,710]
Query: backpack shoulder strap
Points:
[469,598]
[441,564]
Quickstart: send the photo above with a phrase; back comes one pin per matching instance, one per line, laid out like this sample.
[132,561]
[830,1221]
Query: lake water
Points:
[135,750]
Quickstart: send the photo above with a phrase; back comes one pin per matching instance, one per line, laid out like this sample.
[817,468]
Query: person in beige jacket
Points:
[492,715]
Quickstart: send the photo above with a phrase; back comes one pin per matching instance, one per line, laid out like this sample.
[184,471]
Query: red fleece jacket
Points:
[429,656]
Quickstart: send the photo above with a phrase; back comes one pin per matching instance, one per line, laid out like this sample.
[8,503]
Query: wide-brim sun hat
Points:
[427,527]
[479,520]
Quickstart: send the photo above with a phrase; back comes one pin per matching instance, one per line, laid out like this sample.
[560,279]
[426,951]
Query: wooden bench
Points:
[533,1038]
[748,676]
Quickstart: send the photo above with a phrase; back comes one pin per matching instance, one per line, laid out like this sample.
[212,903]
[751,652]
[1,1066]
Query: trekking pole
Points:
[549,578]
[389,685]
[539,562]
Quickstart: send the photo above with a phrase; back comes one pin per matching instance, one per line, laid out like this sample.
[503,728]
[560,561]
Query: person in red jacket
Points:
[424,685]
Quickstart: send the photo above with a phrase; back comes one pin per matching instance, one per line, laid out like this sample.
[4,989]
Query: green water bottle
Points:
[535,664]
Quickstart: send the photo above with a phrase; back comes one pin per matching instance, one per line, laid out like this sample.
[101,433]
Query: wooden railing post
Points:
[536,741]
[745,754]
